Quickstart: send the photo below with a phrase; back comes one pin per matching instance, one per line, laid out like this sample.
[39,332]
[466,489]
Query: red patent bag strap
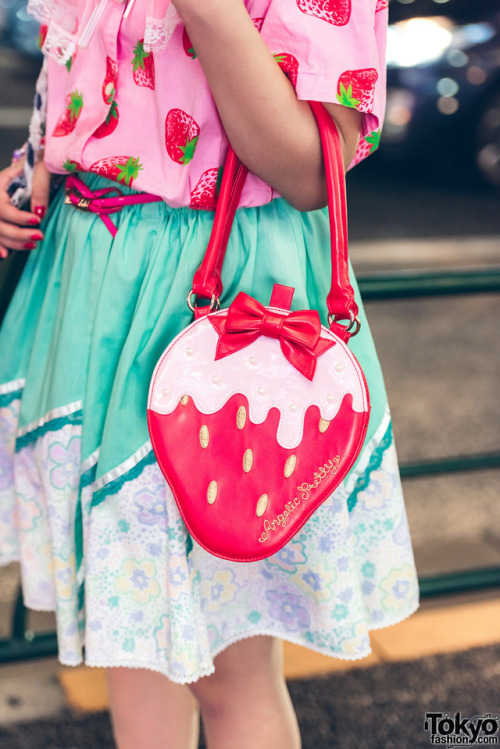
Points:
[340,300]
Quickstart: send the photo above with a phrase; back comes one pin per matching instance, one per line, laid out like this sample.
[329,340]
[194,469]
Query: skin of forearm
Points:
[272,132]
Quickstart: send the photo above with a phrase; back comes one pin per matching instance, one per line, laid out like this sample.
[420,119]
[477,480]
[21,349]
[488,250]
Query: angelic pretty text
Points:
[304,490]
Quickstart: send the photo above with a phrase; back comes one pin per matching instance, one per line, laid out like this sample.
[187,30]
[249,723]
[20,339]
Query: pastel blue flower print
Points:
[154,550]
[65,575]
[113,602]
[367,587]
[400,589]
[65,472]
[287,608]
[377,615]
[254,617]
[325,544]
[401,535]
[312,579]
[177,576]
[139,579]
[346,595]
[152,507]
[188,632]
[6,472]
[124,526]
[343,564]
[217,590]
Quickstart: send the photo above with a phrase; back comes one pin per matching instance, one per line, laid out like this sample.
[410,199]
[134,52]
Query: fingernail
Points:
[40,210]
[4,253]
[30,246]
[34,221]
[36,237]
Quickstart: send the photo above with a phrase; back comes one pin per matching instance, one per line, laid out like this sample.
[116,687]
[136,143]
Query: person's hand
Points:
[19,229]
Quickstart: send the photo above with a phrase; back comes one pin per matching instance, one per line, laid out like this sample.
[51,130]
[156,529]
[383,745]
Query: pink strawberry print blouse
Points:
[148,120]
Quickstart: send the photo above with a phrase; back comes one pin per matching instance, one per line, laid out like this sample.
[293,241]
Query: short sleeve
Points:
[334,51]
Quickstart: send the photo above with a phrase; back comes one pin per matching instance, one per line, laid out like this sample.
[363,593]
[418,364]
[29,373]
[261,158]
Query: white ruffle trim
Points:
[96,662]
[12,387]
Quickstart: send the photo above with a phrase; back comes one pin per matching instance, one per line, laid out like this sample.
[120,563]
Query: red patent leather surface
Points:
[230,527]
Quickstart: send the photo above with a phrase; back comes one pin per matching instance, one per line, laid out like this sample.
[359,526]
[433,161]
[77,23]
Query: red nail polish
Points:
[34,221]
[40,210]
[30,246]
[36,237]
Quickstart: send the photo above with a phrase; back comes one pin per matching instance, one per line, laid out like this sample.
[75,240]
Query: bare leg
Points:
[150,712]
[245,703]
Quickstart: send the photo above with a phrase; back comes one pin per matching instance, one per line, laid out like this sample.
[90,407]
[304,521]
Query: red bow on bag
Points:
[298,332]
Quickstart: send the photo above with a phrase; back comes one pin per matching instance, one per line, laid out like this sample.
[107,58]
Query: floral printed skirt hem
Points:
[144,595]
[83,504]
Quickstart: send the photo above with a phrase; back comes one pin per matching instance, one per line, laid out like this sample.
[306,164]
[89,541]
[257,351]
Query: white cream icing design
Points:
[261,373]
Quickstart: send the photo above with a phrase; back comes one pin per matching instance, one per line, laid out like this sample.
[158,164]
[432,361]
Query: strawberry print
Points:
[143,66]
[181,136]
[356,88]
[289,65]
[110,123]
[110,80]
[367,145]
[381,5]
[257,22]
[67,121]
[72,166]
[336,12]
[188,45]
[204,195]
[42,34]
[122,169]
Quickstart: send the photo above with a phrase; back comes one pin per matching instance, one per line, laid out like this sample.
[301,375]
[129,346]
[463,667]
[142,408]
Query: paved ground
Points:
[379,708]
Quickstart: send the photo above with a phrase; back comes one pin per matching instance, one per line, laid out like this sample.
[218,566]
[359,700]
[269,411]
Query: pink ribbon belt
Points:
[80,196]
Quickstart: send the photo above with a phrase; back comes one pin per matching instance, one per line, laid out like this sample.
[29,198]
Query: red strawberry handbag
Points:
[256,414]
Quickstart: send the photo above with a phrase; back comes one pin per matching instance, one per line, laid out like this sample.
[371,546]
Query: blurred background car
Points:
[443,104]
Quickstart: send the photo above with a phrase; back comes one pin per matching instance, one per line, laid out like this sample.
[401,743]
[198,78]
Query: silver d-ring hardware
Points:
[214,301]
[354,322]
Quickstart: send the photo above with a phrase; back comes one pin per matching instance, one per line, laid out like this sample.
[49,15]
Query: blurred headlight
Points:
[399,112]
[422,40]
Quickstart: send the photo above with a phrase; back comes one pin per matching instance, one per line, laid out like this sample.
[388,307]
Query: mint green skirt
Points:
[83,505]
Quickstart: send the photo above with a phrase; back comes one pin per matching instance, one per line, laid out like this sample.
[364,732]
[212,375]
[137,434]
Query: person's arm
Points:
[272,132]
[19,228]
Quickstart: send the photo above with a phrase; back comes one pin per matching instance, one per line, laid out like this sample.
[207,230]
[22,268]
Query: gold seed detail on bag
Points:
[204,436]
[304,490]
[323,425]
[212,492]
[290,466]
[184,400]
[262,505]
[241,417]
[247,460]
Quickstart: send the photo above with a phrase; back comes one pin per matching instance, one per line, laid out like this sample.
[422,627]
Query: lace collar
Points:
[64,36]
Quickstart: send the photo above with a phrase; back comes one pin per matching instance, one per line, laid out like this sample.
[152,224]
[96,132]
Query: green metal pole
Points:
[454,464]
[405,284]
